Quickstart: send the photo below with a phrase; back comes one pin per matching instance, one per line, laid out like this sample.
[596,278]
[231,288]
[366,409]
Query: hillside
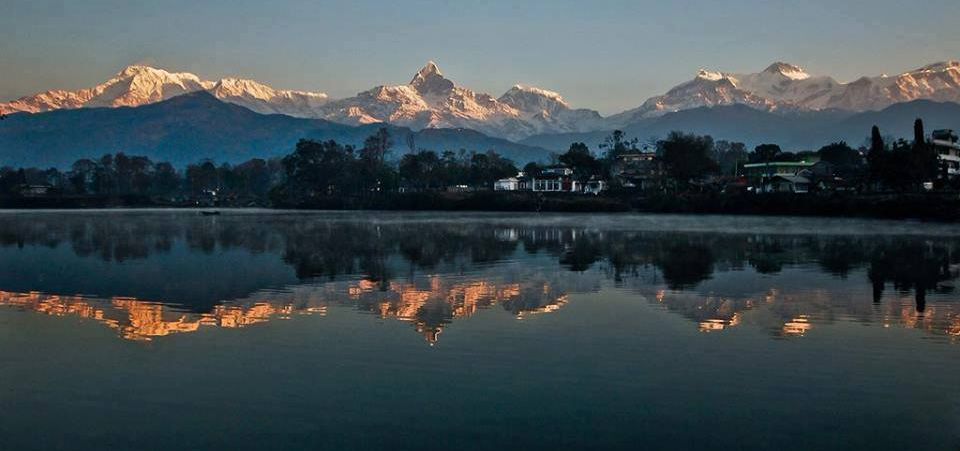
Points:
[196,126]
[794,131]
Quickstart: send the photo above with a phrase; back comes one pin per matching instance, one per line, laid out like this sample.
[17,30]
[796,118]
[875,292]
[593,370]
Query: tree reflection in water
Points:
[430,272]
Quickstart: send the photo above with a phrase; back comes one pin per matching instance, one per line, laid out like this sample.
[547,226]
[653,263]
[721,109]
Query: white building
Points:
[555,179]
[594,187]
[948,151]
[507,184]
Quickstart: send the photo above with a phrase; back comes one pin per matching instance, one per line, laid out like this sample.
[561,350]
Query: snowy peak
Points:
[939,67]
[787,87]
[431,100]
[704,74]
[528,97]
[140,85]
[263,99]
[787,70]
[147,72]
[428,70]
[429,80]
[238,87]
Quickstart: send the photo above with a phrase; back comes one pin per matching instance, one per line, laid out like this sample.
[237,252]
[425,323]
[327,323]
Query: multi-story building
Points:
[948,151]
[639,170]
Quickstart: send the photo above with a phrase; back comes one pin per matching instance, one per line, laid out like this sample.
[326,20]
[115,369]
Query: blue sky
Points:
[607,55]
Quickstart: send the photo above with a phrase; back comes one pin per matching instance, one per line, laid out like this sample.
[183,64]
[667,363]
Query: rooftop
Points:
[796,164]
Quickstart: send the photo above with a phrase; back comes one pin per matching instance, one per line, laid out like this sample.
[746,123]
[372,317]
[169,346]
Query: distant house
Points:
[556,179]
[594,186]
[507,184]
[756,171]
[948,151]
[797,184]
[519,182]
[821,169]
[787,176]
[639,170]
[34,190]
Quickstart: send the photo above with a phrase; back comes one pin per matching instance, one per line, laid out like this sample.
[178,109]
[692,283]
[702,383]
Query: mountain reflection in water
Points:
[153,274]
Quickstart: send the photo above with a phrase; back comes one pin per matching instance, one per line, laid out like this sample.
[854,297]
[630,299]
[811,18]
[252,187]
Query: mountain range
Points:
[782,103]
[195,126]
[792,131]
[429,101]
[783,87]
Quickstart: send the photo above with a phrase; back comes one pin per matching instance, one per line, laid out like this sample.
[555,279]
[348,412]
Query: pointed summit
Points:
[428,69]
[134,69]
[429,79]
[704,74]
[788,70]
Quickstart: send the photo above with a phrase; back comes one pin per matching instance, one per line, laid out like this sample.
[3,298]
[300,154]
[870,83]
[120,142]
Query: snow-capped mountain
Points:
[141,85]
[706,89]
[546,110]
[266,100]
[938,82]
[431,100]
[134,86]
[786,87]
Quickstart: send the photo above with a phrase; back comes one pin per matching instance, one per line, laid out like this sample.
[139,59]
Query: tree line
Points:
[329,169]
[315,169]
[882,164]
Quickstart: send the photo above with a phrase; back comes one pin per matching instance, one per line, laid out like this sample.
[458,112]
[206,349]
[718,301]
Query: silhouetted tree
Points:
[844,158]
[374,174]
[618,144]
[579,158]
[765,153]
[875,156]
[730,156]
[687,156]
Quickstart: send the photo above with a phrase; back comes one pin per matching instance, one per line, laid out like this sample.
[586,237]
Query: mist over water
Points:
[146,329]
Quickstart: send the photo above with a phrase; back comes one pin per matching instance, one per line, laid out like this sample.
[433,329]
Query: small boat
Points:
[210,213]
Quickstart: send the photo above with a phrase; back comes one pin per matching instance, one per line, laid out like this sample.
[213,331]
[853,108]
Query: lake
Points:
[159,330]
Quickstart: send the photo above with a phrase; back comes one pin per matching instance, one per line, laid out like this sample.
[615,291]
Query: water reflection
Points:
[428,304]
[152,274]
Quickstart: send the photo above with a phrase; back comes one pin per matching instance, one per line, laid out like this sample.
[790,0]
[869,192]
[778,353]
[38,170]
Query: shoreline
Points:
[940,207]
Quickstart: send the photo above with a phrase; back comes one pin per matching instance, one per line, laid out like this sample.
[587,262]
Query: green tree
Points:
[317,169]
[730,156]
[486,168]
[844,158]
[375,175]
[421,170]
[765,153]
[924,163]
[202,177]
[166,179]
[687,156]
[579,158]
[875,156]
[618,144]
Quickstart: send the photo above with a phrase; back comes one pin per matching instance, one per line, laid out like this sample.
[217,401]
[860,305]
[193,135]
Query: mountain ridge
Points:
[794,131]
[431,100]
[197,126]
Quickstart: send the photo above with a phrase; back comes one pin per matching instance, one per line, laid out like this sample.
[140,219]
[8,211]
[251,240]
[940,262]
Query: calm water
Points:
[160,330]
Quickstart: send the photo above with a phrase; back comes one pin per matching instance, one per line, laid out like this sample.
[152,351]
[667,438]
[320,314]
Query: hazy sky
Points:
[607,55]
